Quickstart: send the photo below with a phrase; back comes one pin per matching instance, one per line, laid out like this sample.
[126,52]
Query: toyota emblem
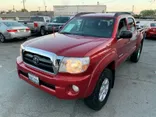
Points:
[36,60]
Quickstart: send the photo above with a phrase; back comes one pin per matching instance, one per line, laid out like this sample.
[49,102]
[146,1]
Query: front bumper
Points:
[57,85]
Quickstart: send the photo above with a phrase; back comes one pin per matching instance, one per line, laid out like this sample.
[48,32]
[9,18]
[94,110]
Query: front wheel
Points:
[136,55]
[101,92]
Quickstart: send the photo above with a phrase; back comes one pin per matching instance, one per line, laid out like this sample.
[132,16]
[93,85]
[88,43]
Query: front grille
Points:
[38,61]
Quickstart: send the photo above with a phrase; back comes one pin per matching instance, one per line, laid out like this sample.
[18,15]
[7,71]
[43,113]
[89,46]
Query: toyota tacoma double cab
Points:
[81,59]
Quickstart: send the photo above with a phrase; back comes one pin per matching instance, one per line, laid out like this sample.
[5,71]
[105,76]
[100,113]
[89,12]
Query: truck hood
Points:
[65,45]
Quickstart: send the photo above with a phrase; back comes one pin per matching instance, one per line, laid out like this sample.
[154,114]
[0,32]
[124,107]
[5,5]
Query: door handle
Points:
[127,42]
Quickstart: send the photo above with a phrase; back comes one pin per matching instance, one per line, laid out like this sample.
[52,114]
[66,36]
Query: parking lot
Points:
[133,95]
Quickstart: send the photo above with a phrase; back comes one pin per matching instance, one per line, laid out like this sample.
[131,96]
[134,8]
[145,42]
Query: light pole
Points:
[23,1]
[39,8]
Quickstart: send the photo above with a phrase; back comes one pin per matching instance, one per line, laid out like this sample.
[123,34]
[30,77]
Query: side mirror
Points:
[60,27]
[126,34]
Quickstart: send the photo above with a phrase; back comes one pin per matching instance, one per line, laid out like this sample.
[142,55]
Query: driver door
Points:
[122,44]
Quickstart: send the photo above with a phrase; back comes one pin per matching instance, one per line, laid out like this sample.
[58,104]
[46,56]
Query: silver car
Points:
[12,29]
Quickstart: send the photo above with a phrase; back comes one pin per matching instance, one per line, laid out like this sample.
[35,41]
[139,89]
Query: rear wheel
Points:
[2,38]
[101,92]
[42,31]
[136,55]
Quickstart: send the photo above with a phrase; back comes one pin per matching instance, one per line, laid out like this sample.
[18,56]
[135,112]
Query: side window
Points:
[131,24]
[122,26]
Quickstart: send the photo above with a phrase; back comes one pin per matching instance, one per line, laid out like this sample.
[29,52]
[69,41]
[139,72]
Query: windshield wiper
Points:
[90,35]
[65,33]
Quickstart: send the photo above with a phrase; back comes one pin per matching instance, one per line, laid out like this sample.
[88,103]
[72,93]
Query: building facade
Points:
[25,15]
[70,10]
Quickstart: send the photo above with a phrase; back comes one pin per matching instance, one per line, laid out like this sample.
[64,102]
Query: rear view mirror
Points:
[126,34]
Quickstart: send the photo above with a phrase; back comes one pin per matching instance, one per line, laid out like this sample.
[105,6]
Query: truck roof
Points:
[102,14]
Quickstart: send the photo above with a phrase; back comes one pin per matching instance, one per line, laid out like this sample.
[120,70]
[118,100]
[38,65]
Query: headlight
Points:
[74,65]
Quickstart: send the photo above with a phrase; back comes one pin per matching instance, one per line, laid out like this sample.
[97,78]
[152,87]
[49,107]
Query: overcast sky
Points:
[112,5]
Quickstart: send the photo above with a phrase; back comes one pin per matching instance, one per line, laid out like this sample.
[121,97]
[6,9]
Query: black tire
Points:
[25,38]
[2,38]
[42,31]
[94,101]
[136,55]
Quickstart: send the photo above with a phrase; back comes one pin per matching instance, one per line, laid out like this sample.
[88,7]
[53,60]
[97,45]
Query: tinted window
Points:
[96,27]
[131,24]
[60,19]
[38,19]
[153,24]
[122,26]
[11,24]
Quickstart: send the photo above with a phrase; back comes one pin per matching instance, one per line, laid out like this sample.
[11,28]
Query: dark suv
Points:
[56,23]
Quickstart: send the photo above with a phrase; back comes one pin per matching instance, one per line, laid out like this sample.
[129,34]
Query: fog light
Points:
[75,88]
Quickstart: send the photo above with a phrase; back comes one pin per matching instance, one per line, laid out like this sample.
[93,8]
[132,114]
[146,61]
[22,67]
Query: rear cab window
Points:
[38,19]
[122,26]
[131,24]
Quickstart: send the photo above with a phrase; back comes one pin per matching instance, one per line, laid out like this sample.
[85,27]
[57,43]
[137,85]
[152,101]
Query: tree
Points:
[24,10]
[148,13]
[9,11]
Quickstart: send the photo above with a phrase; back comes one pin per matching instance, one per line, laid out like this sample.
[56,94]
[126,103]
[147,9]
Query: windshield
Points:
[87,26]
[60,19]
[11,24]
[38,19]
[153,24]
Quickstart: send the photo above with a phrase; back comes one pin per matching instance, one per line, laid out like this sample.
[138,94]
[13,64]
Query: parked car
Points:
[151,31]
[12,29]
[37,24]
[80,61]
[56,23]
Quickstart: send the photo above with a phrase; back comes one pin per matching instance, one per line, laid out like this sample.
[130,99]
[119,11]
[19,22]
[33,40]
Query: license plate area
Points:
[22,30]
[33,78]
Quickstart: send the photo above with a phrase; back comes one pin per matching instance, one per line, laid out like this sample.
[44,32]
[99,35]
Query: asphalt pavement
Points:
[134,94]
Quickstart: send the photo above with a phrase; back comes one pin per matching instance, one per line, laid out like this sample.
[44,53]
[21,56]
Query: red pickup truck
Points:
[80,60]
